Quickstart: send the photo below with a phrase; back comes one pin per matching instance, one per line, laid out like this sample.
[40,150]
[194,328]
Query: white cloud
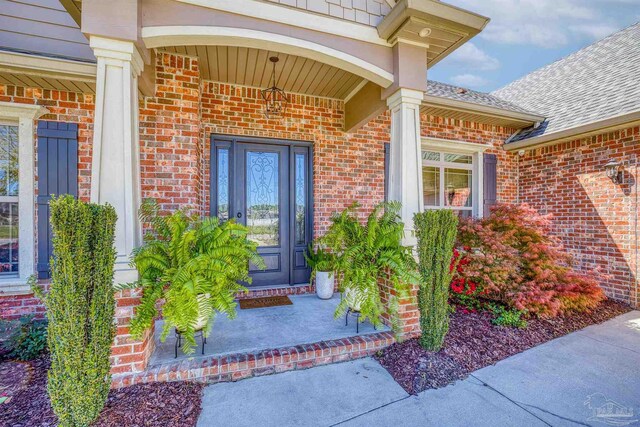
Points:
[469,80]
[595,32]
[471,57]
[548,23]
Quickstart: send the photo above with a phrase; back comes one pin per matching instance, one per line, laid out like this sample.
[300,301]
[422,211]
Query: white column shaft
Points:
[115,174]
[405,165]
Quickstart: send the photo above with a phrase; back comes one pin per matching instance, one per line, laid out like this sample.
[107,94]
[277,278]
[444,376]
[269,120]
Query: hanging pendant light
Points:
[275,99]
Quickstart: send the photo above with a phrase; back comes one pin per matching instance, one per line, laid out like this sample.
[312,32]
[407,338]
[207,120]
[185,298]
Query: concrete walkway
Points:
[590,377]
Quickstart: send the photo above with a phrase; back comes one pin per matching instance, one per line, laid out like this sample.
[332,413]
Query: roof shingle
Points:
[595,83]
[443,90]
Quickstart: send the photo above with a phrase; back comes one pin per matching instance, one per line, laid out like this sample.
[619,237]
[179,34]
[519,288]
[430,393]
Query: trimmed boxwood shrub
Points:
[436,233]
[80,308]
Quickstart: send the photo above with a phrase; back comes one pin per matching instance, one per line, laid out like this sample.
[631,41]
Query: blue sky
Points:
[524,35]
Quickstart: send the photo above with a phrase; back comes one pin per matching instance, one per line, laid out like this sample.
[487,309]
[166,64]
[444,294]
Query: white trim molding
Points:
[477,167]
[160,36]
[24,116]
[295,17]
[47,67]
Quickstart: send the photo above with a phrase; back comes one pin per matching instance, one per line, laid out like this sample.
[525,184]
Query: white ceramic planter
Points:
[324,284]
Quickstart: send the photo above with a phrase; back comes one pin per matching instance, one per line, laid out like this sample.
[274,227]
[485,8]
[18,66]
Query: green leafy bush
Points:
[80,309]
[506,317]
[29,340]
[366,254]
[193,267]
[436,233]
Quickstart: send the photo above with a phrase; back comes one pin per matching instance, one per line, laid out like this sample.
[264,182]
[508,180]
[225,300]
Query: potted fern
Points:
[367,254]
[321,263]
[192,267]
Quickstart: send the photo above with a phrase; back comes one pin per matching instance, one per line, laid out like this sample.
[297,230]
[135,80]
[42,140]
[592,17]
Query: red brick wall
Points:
[595,218]
[170,144]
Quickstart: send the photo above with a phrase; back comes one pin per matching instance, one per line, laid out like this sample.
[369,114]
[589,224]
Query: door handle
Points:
[239,214]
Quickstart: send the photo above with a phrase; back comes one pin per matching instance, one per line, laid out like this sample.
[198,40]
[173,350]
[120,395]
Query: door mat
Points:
[274,301]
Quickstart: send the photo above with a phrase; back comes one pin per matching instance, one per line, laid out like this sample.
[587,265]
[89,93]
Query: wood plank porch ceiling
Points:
[251,67]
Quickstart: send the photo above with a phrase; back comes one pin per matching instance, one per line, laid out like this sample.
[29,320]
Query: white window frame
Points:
[23,116]
[475,150]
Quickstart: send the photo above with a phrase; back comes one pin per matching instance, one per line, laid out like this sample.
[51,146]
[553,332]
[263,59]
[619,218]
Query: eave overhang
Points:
[577,132]
[433,24]
[498,115]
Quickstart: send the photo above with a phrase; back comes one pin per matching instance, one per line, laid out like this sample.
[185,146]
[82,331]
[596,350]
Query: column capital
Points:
[403,95]
[119,50]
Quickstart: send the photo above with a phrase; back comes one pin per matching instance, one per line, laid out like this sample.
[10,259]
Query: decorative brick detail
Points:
[595,218]
[244,365]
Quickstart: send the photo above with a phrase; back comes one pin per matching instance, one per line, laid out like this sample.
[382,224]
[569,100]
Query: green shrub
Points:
[506,317]
[193,267]
[29,340]
[80,309]
[366,254]
[436,233]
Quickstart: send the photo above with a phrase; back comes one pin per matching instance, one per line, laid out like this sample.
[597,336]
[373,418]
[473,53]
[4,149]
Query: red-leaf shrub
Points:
[511,257]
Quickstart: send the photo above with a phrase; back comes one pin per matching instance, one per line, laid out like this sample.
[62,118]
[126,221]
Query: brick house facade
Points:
[374,143]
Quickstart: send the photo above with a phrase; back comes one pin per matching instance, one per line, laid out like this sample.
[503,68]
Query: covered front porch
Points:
[267,340]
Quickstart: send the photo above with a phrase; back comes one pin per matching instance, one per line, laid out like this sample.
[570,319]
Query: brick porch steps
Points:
[238,366]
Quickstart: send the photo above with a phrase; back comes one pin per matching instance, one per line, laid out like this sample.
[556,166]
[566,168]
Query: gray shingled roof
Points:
[443,90]
[598,82]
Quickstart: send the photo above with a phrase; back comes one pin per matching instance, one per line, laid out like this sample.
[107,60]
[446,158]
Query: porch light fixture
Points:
[275,99]
[614,171]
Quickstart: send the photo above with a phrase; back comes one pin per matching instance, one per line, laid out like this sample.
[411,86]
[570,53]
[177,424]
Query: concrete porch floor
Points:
[308,320]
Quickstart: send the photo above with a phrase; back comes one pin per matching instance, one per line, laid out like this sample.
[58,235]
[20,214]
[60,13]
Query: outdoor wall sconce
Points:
[614,171]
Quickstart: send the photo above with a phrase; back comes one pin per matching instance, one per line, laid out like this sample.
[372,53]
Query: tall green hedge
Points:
[80,308]
[436,233]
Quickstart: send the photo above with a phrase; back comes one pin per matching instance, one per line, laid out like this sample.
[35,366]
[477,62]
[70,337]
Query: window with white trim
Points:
[452,176]
[9,181]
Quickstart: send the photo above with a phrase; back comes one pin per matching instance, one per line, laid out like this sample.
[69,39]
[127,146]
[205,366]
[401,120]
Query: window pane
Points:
[457,187]
[8,238]
[223,183]
[8,160]
[458,158]
[301,198]
[431,185]
[431,155]
[263,204]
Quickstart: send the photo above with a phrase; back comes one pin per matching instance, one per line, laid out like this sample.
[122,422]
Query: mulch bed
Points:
[473,342]
[175,404]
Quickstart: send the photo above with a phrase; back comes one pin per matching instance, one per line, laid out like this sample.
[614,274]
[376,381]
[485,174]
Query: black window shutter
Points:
[490,182]
[57,174]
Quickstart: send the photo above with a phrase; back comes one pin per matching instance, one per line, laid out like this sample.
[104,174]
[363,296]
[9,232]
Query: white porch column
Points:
[405,163]
[115,174]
